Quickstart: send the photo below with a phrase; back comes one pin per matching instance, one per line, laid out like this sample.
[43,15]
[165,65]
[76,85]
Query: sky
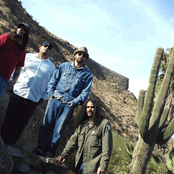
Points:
[122,35]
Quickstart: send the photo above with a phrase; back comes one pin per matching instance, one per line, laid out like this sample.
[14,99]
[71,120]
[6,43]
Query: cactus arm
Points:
[166,135]
[164,117]
[160,102]
[146,113]
[140,106]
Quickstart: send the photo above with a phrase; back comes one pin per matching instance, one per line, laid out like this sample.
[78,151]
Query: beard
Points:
[44,53]
[80,60]
[90,114]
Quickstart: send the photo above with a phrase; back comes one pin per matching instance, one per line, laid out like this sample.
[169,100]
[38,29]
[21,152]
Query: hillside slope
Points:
[110,87]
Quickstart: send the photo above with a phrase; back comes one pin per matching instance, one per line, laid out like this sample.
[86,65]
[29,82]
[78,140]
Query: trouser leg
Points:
[47,127]
[18,113]
[81,169]
[64,116]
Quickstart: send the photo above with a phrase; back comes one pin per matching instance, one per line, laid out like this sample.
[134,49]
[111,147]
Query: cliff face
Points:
[109,87]
[103,73]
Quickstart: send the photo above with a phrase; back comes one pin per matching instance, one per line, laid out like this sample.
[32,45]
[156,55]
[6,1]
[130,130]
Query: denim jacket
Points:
[72,84]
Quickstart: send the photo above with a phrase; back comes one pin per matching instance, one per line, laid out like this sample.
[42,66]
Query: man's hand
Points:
[54,96]
[100,171]
[11,82]
[59,159]
[10,89]
[69,103]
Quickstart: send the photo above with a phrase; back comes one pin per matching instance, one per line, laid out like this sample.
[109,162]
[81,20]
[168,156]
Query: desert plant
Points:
[152,114]
[170,159]
[155,166]
[120,158]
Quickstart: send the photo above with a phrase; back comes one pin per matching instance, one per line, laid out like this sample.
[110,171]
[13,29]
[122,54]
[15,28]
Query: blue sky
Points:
[122,35]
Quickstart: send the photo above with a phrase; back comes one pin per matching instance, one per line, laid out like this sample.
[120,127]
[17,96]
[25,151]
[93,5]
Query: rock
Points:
[21,167]
[6,161]
[14,152]
[16,160]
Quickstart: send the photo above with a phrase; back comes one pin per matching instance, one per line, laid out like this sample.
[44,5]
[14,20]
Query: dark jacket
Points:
[95,144]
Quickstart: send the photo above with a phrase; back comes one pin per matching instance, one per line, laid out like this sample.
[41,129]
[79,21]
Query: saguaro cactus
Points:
[151,115]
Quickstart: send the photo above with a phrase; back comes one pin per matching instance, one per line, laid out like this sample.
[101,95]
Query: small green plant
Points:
[121,155]
[170,159]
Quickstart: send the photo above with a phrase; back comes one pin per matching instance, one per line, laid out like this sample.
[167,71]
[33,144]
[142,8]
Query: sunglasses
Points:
[83,54]
[90,107]
[47,45]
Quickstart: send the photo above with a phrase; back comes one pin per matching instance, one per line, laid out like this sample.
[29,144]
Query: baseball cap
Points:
[26,26]
[47,44]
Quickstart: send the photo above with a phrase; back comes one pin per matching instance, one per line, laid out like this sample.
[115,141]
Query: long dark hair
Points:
[24,40]
[97,116]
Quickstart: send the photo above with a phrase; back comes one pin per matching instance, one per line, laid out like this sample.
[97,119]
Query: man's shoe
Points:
[38,152]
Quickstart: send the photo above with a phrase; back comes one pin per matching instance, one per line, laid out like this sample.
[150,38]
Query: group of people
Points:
[33,78]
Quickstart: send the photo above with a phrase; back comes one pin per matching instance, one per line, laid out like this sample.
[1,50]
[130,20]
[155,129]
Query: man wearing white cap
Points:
[69,87]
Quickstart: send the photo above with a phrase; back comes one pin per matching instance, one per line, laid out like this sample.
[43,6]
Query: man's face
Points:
[45,49]
[20,30]
[90,109]
[80,57]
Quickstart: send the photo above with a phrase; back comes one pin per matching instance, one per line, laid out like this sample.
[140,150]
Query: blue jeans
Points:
[81,169]
[56,117]
[3,85]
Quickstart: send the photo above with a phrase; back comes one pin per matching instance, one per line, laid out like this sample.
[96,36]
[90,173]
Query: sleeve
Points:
[107,144]
[85,92]
[3,39]
[22,62]
[71,144]
[45,95]
[53,82]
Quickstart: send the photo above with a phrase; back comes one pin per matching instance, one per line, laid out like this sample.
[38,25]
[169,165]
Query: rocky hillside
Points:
[110,88]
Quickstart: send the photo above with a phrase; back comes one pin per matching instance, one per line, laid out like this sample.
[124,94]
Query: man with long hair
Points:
[93,137]
[12,55]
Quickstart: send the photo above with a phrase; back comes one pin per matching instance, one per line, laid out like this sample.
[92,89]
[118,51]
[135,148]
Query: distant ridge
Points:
[104,73]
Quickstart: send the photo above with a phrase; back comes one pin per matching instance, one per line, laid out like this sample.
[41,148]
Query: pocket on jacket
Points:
[96,139]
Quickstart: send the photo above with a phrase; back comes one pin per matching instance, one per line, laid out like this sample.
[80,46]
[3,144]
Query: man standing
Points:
[12,54]
[93,137]
[69,87]
[28,91]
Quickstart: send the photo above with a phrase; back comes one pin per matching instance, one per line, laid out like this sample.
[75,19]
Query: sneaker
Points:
[38,152]
[49,154]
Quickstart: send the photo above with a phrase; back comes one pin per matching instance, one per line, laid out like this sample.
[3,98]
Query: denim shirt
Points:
[72,84]
[34,77]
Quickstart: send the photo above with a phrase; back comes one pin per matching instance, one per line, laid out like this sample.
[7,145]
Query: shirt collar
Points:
[83,67]
[47,59]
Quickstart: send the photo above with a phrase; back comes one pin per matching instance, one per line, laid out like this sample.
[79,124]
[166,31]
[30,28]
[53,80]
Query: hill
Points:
[110,87]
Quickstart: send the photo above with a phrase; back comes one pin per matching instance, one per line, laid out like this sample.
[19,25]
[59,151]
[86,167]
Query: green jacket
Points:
[94,143]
